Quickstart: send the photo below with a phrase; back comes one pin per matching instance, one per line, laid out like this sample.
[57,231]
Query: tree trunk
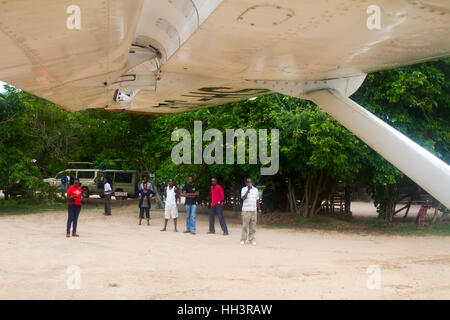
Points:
[292,198]
[436,213]
[306,203]
[347,195]
[315,207]
[390,206]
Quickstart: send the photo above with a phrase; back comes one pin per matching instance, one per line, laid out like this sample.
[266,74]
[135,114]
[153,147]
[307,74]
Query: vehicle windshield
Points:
[61,174]
[86,174]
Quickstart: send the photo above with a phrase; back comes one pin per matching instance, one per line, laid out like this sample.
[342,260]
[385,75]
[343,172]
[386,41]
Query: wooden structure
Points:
[339,202]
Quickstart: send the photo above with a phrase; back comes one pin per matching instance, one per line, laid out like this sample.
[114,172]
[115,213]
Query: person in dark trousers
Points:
[191,192]
[144,203]
[107,193]
[217,197]
[73,207]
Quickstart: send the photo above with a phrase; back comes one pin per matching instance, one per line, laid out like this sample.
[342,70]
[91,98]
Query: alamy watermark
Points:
[73,22]
[374,19]
[73,280]
[374,280]
[213,153]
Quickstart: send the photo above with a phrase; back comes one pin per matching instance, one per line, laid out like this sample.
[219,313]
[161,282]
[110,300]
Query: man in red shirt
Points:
[73,207]
[217,197]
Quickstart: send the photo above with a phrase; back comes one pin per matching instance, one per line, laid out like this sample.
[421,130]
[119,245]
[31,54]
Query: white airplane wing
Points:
[159,56]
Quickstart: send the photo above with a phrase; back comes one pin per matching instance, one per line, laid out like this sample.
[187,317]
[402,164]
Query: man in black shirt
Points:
[191,192]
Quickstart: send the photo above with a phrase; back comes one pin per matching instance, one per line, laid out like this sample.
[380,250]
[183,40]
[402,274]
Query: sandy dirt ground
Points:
[118,259]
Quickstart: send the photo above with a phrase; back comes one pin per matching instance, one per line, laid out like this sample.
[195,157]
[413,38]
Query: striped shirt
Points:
[250,202]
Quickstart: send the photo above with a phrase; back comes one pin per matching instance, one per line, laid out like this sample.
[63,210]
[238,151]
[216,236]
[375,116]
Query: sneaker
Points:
[193,232]
[226,234]
[163,229]
[75,235]
[175,230]
[187,231]
[253,242]
[242,242]
[67,235]
[209,232]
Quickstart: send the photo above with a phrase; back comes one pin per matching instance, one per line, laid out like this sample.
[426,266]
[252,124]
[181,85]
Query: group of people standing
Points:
[249,195]
[250,208]
[191,192]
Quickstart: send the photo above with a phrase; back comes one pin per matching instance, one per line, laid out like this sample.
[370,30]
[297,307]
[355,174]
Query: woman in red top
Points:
[74,207]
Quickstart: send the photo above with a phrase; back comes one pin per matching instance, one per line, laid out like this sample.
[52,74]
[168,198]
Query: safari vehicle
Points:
[13,191]
[89,179]
[121,181]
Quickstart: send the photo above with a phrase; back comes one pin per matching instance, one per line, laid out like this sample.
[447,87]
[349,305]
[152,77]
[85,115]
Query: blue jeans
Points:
[191,212]
[72,218]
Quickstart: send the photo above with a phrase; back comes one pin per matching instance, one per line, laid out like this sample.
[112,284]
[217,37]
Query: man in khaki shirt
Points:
[250,208]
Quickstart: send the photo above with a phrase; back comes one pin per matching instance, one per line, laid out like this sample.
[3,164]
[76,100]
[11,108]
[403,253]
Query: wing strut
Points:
[428,171]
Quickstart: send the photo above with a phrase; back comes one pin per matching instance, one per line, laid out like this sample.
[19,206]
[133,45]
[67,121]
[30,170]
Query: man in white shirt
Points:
[107,193]
[250,208]
[170,208]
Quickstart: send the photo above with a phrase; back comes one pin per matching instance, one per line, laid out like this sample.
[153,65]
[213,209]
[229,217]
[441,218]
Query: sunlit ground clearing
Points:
[120,260]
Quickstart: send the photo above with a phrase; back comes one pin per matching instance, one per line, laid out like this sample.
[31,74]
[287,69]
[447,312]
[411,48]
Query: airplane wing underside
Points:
[157,56]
